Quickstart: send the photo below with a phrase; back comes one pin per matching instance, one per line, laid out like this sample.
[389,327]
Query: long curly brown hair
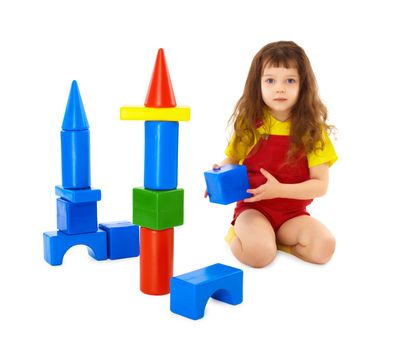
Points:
[308,116]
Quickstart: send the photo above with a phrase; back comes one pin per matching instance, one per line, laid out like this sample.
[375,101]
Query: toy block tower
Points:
[158,207]
[77,221]
[77,203]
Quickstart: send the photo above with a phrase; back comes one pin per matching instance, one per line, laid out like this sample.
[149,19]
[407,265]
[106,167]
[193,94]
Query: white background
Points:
[363,56]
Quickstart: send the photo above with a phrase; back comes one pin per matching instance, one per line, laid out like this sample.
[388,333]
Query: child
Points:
[281,135]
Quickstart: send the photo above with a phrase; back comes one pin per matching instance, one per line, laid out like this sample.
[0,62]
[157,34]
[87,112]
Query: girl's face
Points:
[280,87]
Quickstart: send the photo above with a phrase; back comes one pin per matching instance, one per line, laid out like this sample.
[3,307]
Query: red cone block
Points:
[160,92]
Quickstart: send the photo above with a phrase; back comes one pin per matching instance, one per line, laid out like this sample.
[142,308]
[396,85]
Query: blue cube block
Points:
[123,239]
[227,184]
[74,218]
[78,196]
[56,244]
[190,292]
[161,155]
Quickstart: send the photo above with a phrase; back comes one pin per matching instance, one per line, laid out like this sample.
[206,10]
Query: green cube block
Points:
[158,210]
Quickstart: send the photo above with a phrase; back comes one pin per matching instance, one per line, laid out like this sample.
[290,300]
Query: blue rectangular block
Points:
[161,155]
[78,196]
[227,184]
[74,218]
[123,239]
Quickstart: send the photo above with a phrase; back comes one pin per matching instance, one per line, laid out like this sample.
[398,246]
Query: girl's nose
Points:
[279,88]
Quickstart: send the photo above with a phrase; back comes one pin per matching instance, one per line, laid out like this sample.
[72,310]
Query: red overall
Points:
[270,153]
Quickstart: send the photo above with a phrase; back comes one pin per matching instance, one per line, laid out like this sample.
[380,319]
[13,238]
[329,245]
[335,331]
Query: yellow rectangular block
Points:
[175,114]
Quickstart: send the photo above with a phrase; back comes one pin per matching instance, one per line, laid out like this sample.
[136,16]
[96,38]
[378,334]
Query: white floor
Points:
[363,298]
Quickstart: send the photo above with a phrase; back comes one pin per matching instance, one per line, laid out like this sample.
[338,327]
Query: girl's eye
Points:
[291,81]
[270,81]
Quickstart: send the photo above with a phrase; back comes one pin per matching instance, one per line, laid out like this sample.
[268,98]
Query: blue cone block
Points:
[227,184]
[123,239]
[75,143]
[190,292]
[56,244]
[74,218]
[161,155]
[75,116]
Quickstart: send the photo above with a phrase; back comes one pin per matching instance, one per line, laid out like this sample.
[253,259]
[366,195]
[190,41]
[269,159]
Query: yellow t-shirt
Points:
[272,126]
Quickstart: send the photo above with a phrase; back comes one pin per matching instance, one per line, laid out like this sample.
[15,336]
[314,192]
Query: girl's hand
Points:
[214,167]
[270,189]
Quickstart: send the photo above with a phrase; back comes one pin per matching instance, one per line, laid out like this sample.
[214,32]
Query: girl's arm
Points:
[313,188]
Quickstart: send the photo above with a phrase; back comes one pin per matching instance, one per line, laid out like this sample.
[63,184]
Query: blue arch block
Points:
[190,292]
[56,244]
[161,155]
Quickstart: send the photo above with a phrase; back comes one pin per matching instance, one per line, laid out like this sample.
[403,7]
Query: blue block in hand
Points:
[227,184]
[74,218]
[123,239]
[190,292]
[161,155]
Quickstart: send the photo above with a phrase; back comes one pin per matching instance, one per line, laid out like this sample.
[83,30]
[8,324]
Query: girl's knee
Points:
[260,255]
[323,250]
